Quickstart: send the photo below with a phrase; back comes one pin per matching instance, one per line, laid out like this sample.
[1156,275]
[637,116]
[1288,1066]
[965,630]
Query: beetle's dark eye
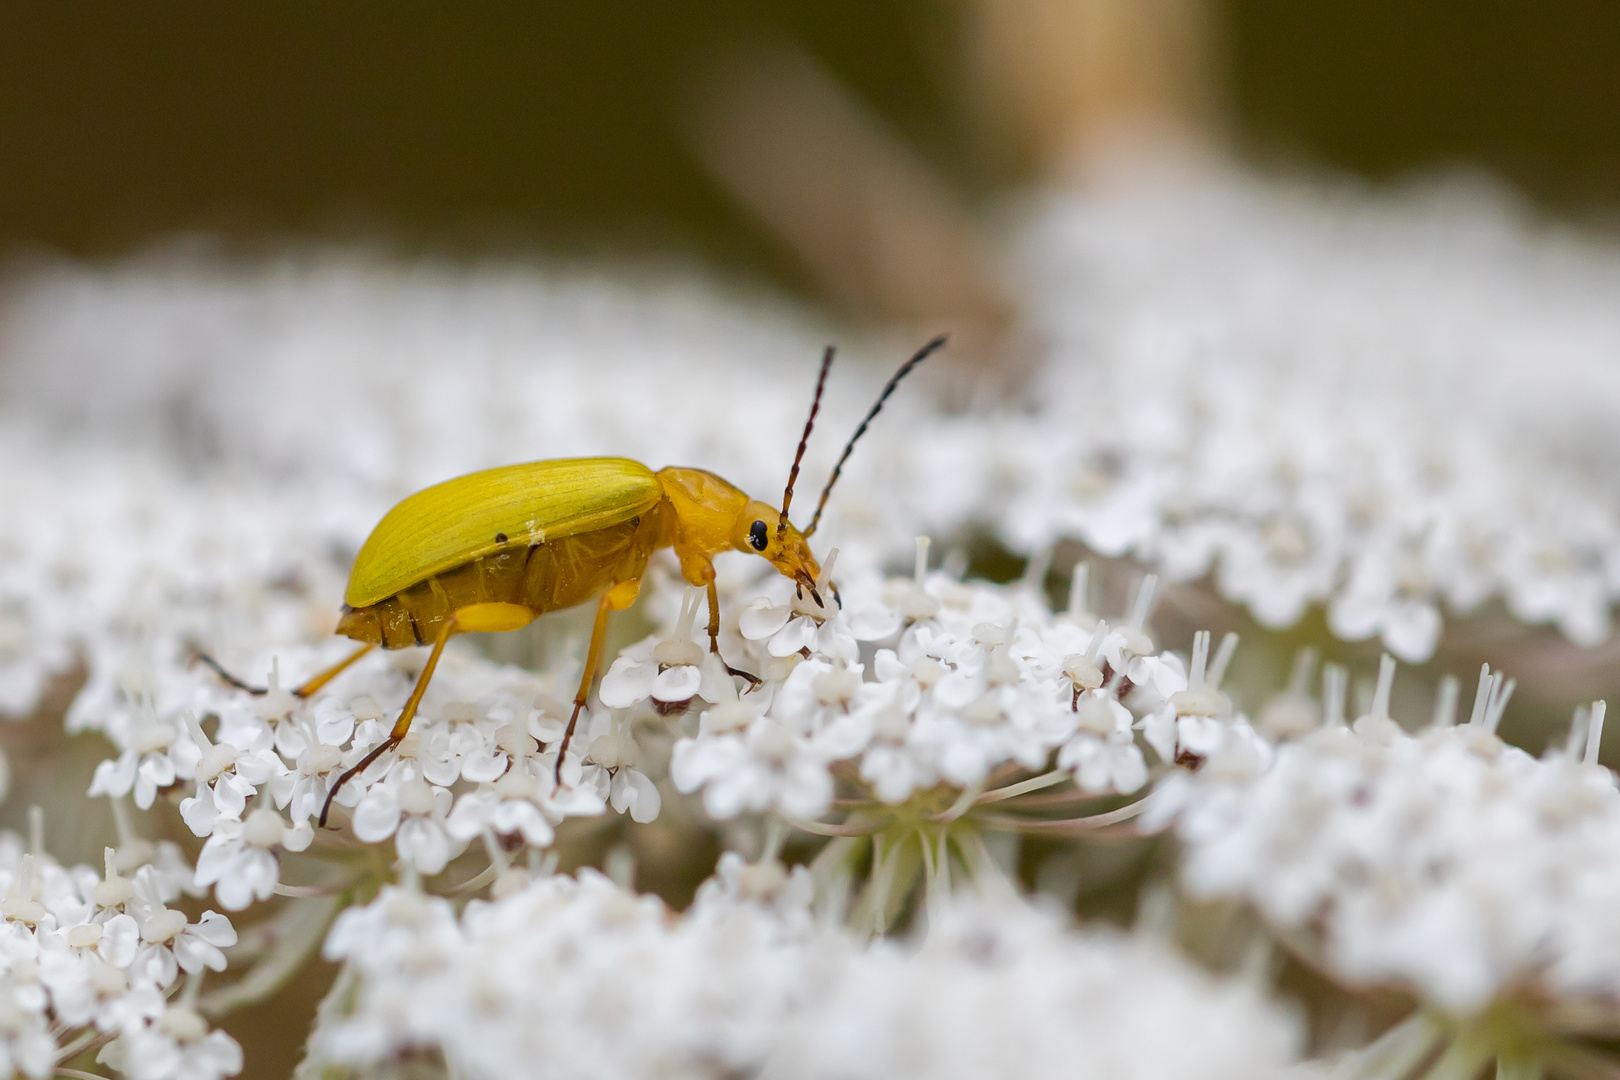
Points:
[758,535]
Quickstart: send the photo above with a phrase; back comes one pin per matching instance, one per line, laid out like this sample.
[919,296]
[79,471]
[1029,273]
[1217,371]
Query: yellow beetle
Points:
[494,550]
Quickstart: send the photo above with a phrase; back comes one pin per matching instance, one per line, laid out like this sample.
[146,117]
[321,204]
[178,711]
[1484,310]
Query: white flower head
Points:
[1446,862]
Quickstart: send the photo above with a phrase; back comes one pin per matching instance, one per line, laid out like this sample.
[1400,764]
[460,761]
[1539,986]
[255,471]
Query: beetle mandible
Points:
[494,550]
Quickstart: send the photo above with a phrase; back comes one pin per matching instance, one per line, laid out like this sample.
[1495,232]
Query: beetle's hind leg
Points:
[198,656]
[406,715]
[714,641]
[304,690]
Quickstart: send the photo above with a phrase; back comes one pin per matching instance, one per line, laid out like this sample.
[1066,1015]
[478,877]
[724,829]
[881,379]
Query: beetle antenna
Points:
[888,388]
[804,441]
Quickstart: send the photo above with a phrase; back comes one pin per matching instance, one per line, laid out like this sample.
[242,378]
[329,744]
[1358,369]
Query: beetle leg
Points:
[377,751]
[403,724]
[219,669]
[314,684]
[714,641]
[604,607]
[303,691]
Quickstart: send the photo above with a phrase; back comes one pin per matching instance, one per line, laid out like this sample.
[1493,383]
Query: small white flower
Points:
[790,621]
[173,1044]
[1189,726]
[156,757]
[169,942]
[763,766]
[1102,754]
[83,965]
[411,810]
[240,860]
[665,670]
[227,776]
[629,789]
[525,801]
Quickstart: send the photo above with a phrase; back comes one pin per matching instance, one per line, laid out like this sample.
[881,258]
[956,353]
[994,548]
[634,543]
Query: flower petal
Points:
[627,682]
[679,683]
[760,619]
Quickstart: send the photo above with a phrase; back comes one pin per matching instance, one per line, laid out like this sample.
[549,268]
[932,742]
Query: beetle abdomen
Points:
[541,577]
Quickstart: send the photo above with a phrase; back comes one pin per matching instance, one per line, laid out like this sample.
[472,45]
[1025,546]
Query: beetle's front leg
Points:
[714,640]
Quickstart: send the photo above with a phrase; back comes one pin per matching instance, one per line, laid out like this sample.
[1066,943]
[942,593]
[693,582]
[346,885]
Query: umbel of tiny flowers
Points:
[1445,863]
[749,981]
[91,961]
[941,738]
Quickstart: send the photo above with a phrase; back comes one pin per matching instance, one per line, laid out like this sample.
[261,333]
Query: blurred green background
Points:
[460,128]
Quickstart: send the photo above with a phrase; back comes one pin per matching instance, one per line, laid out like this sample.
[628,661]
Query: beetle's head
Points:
[761,530]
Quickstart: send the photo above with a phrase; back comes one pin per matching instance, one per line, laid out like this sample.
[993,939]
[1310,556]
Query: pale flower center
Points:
[673,653]
[516,784]
[163,926]
[87,936]
[215,760]
[416,797]
[1083,671]
[184,1024]
[263,828]
[319,759]
[835,687]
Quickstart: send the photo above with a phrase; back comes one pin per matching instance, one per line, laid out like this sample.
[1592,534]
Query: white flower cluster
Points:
[571,977]
[1384,406]
[116,560]
[1444,861]
[470,769]
[397,377]
[90,961]
[960,680]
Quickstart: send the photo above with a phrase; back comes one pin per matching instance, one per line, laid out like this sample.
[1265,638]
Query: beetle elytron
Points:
[494,550]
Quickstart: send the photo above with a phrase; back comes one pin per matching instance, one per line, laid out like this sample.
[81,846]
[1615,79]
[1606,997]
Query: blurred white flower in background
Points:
[597,981]
[1391,406]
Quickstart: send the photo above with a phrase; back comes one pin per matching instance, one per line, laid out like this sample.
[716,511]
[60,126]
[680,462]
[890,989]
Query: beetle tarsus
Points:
[365,762]
[754,681]
[299,692]
[219,669]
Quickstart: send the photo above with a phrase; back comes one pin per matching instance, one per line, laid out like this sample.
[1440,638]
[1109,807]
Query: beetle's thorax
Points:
[701,509]
[709,515]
